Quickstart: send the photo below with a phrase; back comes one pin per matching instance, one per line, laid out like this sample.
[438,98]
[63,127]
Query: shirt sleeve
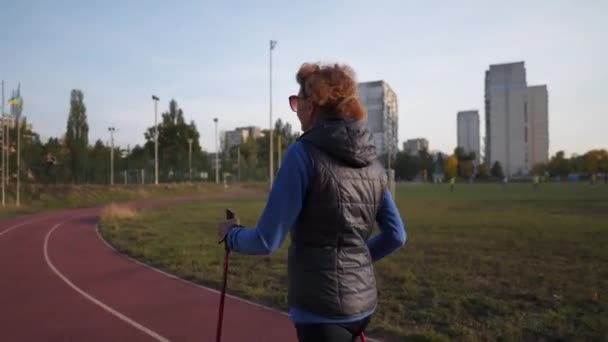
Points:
[282,208]
[392,230]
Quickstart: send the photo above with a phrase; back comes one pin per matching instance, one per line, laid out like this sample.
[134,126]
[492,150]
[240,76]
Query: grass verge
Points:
[40,198]
[486,262]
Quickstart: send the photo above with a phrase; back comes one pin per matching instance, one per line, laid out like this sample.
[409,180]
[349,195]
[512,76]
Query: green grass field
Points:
[485,262]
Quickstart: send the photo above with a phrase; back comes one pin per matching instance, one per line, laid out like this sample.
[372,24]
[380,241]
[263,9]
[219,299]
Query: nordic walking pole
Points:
[220,319]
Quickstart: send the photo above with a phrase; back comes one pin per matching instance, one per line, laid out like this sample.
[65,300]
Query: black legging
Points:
[346,332]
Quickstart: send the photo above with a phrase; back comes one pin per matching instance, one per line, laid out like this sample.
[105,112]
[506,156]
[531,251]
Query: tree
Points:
[406,166]
[31,153]
[77,136]
[539,169]
[603,161]
[466,169]
[460,153]
[451,167]
[99,163]
[285,130]
[287,137]
[559,165]
[426,163]
[497,170]
[592,161]
[55,156]
[482,171]
[173,146]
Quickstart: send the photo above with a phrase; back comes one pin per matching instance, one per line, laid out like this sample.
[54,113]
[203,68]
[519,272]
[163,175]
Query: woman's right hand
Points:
[225,226]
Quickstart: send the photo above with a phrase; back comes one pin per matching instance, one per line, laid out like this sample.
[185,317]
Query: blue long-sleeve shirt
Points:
[282,210]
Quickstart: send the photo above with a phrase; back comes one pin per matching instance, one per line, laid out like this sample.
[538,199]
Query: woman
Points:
[328,194]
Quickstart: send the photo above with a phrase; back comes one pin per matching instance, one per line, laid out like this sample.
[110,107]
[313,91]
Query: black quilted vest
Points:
[330,267]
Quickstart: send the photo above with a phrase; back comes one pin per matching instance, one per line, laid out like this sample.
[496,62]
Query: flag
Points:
[273,43]
[15,100]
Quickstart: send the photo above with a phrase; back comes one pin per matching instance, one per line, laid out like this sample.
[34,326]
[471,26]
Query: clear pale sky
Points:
[212,57]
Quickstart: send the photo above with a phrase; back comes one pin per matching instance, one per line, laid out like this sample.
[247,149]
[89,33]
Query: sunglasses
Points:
[293,102]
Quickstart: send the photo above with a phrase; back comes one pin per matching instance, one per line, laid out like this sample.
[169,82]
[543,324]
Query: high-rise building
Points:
[468,132]
[235,138]
[505,103]
[380,102]
[413,146]
[538,124]
[240,135]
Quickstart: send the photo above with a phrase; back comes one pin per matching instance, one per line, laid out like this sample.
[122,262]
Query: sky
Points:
[213,59]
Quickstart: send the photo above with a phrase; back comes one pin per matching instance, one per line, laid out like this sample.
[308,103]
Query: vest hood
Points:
[346,140]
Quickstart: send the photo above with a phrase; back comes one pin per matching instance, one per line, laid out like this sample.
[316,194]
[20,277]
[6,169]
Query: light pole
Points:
[273,43]
[3,150]
[155,99]
[17,108]
[279,149]
[111,130]
[238,160]
[10,122]
[190,157]
[217,152]
[127,162]
[18,131]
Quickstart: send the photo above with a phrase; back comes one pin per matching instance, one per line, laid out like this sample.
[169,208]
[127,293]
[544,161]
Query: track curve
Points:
[60,281]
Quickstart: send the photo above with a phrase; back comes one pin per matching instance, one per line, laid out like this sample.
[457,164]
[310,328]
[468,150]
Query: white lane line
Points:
[172,276]
[112,311]
[20,225]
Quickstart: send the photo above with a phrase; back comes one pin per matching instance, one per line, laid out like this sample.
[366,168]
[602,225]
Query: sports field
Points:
[485,262]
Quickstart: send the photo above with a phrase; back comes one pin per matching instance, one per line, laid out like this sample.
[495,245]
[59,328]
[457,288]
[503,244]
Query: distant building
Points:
[240,135]
[413,146]
[468,132]
[505,103]
[538,124]
[517,120]
[254,132]
[380,101]
[235,138]
[8,120]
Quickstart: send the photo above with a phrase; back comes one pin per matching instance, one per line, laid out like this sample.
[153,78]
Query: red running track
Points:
[59,281]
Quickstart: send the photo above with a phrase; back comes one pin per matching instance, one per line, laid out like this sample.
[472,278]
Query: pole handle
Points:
[229,216]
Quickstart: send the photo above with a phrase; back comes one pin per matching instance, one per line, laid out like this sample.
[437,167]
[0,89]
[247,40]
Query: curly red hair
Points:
[332,89]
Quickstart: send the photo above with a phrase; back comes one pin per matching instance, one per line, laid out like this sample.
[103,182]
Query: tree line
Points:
[460,164]
[591,163]
[72,158]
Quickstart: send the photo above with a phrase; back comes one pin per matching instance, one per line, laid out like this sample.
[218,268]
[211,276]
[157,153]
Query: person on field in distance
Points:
[329,192]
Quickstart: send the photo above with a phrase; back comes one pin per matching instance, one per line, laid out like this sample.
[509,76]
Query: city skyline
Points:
[215,63]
